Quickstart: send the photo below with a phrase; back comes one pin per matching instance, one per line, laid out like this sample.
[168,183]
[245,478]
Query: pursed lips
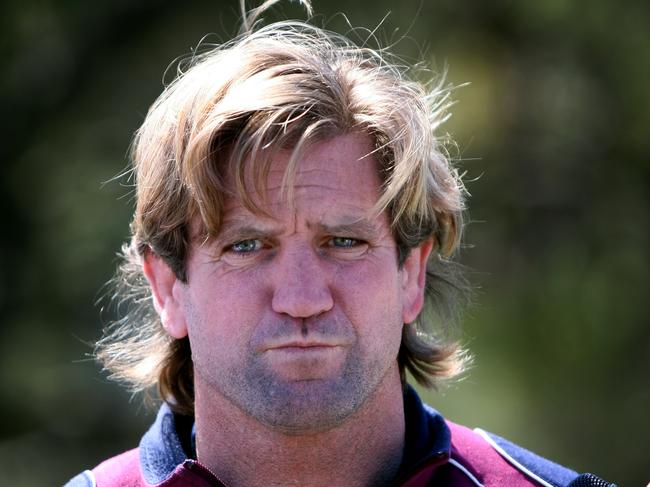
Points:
[302,346]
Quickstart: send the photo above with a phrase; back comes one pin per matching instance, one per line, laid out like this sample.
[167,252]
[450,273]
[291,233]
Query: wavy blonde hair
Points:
[285,85]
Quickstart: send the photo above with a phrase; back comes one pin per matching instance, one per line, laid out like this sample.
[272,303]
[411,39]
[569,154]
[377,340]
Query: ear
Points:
[165,288]
[414,273]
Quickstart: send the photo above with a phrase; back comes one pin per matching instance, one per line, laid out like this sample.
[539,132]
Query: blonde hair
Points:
[285,85]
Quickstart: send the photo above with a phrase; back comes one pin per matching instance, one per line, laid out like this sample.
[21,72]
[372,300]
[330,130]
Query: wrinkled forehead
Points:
[341,169]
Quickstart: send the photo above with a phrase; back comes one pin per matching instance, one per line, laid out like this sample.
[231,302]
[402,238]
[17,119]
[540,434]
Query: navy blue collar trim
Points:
[162,449]
[427,434]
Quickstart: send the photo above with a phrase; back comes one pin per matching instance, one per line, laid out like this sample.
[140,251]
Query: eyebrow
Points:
[235,230]
[354,226]
[242,229]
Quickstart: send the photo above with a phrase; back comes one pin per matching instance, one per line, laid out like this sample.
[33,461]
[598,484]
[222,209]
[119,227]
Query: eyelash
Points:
[332,242]
[257,243]
[353,242]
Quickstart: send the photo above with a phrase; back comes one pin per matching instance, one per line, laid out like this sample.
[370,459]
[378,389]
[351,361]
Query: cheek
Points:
[227,296]
[369,283]
[220,317]
[371,298]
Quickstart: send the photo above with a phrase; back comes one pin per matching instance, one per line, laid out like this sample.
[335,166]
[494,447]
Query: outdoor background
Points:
[553,137]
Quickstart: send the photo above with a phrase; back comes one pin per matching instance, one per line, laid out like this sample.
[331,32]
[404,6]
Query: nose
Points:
[301,287]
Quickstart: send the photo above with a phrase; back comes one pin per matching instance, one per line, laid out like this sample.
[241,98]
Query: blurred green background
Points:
[553,136]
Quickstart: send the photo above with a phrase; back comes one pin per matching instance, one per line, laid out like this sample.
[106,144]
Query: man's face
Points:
[297,319]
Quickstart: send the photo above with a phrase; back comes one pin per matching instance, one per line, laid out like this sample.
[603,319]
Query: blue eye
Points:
[344,242]
[246,246]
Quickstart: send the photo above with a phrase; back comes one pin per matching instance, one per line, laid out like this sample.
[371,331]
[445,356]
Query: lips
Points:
[302,335]
[302,346]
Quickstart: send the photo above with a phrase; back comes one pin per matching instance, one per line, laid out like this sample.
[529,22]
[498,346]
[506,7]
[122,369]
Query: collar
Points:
[168,442]
[427,438]
[161,447]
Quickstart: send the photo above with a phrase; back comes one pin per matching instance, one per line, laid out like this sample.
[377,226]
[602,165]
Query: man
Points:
[294,215]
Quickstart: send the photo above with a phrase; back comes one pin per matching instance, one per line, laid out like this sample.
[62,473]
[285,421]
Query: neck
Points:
[366,449]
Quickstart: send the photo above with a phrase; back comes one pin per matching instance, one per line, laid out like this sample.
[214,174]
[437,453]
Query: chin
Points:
[307,406]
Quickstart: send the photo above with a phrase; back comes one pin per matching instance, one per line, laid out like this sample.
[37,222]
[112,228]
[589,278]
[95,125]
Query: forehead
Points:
[340,171]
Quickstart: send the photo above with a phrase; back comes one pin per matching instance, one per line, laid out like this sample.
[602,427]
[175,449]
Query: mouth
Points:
[302,347]
[305,360]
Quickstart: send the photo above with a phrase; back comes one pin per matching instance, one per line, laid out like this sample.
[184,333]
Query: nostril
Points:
[300,284]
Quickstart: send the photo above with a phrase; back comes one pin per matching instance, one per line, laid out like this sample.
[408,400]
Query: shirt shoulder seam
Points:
[532,475]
